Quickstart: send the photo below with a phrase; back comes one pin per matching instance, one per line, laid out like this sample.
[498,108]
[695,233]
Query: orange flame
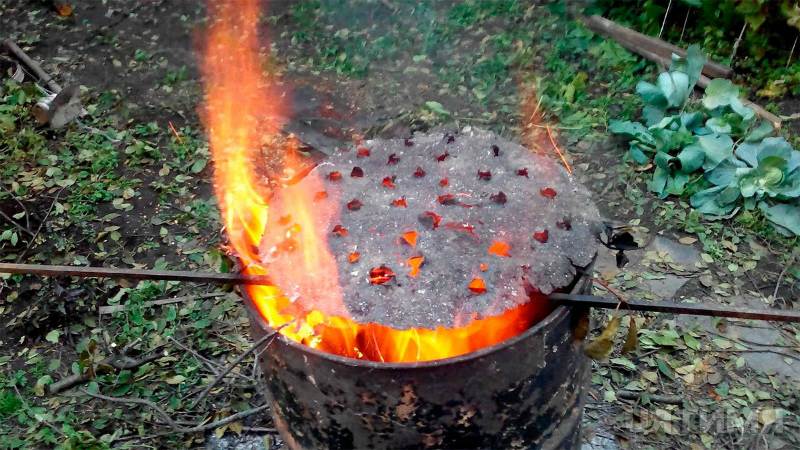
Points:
[242,106]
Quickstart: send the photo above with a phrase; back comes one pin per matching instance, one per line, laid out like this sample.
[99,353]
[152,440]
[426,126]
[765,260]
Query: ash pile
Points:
[439,229]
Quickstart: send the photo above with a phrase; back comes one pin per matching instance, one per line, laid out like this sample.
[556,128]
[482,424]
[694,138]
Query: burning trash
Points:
[443,269]
[409,305]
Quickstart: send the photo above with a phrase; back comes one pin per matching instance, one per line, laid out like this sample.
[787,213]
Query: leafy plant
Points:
[712,149]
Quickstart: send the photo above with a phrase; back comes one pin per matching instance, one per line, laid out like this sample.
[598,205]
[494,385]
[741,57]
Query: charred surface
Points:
[435,230]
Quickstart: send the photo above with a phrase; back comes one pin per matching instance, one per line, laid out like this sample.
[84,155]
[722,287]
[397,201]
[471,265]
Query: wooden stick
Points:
[696,309]
[639,43]
[134,274]
[32,65]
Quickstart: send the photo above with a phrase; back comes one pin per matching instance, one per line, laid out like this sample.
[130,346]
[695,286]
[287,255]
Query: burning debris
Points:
[443,228]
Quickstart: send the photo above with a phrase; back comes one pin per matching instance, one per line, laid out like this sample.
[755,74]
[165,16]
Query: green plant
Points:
[711,149]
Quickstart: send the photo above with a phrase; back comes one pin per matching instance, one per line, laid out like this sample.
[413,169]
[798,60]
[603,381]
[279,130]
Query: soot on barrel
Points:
[435,230]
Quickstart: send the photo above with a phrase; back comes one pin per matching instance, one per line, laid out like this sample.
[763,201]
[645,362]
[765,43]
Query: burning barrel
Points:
[410,301]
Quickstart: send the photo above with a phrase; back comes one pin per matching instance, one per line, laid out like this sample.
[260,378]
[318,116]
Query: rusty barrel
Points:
[525,392]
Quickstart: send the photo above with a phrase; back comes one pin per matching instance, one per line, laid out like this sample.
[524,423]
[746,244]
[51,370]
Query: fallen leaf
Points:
[177,379]
[601,347]
[632,340]
[687,240]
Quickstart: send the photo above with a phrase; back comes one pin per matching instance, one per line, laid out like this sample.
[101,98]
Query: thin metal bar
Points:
[697,309]
[134,274]
[593,301]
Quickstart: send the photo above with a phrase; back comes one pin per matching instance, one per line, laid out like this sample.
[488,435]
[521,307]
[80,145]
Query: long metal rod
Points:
[590,301]
[134,274]
[697,309]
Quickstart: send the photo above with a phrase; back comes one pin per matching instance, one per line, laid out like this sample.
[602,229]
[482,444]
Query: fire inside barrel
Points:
[399,251]
[441,269]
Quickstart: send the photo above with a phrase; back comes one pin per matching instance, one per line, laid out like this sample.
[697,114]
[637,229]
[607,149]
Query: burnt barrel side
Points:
[526,392]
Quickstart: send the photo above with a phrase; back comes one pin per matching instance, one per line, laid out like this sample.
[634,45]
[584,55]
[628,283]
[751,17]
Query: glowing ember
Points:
[401,202]
[484,267]
[415,264]
[388,183]
[393,159]
[411,238]
[500,198]
[499,248]
[548,192]
[334,176]
[357,172]
[487,175]
[541,236]
[381,275]
[443,182]
[442,157]
[353,257]
[477,286]
[363,152]
[354,205]
[340,230]
[419,173]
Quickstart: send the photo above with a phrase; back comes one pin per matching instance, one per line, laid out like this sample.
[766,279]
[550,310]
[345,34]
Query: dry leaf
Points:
[581,328]
[687,240]
[601,347]
[632,340]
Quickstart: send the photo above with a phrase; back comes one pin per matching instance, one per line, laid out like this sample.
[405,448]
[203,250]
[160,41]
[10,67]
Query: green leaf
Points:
[437,108]
[52,336]
[716,148]
[707,203]
[658,183]
[199,165]
[719,125]
[652,95]
[691,65]
[761,131]
[691,158]
[632,130]
[720,92]
[675,86]
[786,216]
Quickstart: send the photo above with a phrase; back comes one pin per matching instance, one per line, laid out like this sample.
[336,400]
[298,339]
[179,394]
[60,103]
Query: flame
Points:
[243,106]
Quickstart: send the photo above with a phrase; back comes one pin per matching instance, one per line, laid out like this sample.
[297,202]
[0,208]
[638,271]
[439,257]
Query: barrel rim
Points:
[559,314]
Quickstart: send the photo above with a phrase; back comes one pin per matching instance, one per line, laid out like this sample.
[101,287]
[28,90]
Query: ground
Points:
[129,185]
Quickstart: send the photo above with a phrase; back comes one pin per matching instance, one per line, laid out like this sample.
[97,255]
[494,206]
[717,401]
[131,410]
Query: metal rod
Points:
[592,301]
[134,274]
[697,309]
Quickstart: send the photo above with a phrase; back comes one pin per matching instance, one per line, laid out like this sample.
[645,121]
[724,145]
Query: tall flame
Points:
[242,106]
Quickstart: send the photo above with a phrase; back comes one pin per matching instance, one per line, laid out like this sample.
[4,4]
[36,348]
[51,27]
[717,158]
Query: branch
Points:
[114,361]
[269,336]
[166,417]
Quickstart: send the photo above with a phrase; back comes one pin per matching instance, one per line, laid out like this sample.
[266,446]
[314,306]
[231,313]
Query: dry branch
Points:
[167,301]
[169,421]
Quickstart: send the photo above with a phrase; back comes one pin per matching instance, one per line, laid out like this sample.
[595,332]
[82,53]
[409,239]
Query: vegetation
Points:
[712,149]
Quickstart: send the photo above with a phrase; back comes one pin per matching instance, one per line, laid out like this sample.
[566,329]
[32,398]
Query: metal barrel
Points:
[525,392]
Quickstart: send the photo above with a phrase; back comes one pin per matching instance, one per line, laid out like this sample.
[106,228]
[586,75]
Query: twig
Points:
[685,21]
[41,224]
[110,360]
[16,224]
[178,428]
[782,274]
[212,365]
[267,337]
[167,301]
[664,22]
[14,197]
[655,398]
[609,289]
[791,52]
[737,42]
